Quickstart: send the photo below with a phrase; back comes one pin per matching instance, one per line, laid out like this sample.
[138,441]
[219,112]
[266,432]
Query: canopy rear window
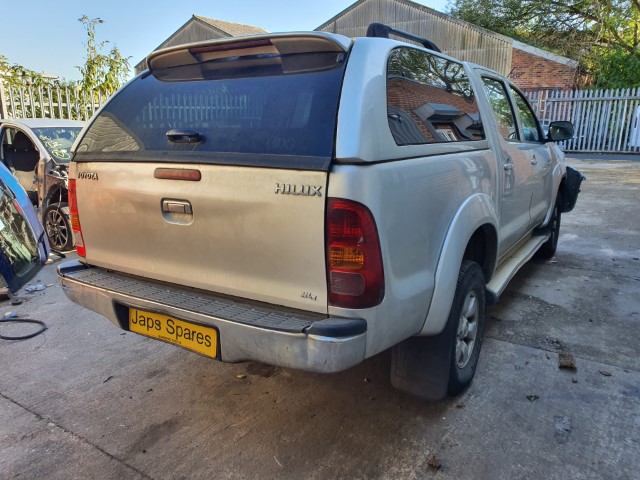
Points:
[241,109]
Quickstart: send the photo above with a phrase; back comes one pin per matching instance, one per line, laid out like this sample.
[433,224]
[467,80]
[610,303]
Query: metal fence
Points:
[605,121]
[49,102]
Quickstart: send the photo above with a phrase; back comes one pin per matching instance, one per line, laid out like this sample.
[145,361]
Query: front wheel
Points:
[548,248]
[58,227]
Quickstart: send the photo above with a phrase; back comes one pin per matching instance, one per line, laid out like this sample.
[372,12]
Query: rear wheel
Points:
[444,364]
[466,326]
[58,226]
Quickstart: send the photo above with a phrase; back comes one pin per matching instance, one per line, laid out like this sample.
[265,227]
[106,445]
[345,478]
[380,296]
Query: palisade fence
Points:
[605,121]
[49,101]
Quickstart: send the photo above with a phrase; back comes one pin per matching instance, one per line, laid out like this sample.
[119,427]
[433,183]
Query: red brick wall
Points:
[530,71]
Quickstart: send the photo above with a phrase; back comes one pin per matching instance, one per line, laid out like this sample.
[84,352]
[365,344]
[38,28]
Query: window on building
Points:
[430,100]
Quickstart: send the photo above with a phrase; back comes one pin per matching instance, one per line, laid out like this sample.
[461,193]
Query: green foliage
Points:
[602,34]
[615,68]
[101,71]
[17,75]
[33,95]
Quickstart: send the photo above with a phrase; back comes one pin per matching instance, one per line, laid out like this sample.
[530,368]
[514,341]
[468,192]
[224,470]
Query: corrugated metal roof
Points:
[233,29]
[455,37]
[420,7]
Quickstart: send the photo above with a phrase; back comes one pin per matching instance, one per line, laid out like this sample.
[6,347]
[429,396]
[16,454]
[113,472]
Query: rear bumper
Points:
[247,331]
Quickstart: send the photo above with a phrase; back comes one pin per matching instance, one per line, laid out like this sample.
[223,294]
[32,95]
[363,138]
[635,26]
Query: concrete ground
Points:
[85,400]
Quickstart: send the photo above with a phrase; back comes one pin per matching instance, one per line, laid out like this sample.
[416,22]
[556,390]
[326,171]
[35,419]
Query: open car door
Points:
[24,248]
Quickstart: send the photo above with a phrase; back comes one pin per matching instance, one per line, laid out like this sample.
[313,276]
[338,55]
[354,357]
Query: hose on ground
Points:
[43,327]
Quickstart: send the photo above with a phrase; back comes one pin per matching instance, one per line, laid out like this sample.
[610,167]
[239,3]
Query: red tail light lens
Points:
[354,263]
[75,220]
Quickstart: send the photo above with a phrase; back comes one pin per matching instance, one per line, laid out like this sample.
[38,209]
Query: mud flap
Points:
[570,189]
[420,366]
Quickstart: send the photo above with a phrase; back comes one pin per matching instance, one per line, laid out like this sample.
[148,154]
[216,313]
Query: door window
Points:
[501,107]
[530,126]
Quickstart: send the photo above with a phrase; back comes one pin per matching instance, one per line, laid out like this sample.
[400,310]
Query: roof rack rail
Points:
[382,31]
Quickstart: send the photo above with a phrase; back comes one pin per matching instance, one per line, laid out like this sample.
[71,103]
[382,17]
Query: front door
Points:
[539,156]
[21,157]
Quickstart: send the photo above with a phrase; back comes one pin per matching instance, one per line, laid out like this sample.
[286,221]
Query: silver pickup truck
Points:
[309,200]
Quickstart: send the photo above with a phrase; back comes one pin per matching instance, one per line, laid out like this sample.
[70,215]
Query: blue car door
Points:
[24,248]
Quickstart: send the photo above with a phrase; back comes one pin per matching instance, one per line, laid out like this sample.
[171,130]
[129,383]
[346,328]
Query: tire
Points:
[58,227]
[548,248]
[430,367]
[465,326]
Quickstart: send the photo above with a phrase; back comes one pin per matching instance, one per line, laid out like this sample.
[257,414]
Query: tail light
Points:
[354,263]
[75,220]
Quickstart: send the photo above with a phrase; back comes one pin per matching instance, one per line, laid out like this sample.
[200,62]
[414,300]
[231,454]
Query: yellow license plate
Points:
[194,337]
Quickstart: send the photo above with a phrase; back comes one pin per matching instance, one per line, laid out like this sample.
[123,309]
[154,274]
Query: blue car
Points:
[24,247]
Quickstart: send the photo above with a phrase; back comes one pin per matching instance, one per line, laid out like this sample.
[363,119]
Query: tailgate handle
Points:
[176,206]
[184,136]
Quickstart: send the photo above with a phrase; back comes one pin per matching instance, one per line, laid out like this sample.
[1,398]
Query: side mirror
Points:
[559,131]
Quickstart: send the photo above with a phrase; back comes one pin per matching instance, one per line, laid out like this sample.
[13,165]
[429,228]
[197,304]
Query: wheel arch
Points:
[57,194]
[482,248]
[475,224]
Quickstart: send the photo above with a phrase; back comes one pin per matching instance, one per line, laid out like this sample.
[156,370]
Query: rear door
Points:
[515,164]
[211,171]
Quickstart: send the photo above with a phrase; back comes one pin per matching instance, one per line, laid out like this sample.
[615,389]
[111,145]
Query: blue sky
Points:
[49,38]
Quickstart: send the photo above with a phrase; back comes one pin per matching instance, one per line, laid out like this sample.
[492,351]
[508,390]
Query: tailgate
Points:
[246,130]
[251,232]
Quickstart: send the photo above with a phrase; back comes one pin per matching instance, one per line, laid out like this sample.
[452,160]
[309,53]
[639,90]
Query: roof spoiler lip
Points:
[344,43]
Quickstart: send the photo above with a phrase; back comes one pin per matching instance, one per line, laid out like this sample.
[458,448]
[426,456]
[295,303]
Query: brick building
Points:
[535,69]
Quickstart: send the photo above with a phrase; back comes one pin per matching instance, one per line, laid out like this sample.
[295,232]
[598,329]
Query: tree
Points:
[604,35]
[101,71]
[17,75]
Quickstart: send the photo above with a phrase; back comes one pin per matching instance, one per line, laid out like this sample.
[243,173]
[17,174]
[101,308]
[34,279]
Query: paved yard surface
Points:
[85,400]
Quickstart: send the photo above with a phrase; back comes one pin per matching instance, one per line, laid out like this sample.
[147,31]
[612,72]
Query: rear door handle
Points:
[176,206]
[508,166]
[184,136]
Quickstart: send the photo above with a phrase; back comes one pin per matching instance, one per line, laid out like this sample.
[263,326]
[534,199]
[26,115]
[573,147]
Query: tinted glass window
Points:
[430,100]
[501,107]
[258,108]
[530,128]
